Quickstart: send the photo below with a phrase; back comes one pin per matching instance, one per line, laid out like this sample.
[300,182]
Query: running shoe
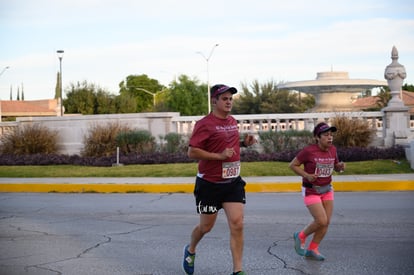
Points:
[299,246]
[314,255]
[239,273]
[188,262]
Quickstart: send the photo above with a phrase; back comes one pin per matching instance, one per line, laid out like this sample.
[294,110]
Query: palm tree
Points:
[383,97]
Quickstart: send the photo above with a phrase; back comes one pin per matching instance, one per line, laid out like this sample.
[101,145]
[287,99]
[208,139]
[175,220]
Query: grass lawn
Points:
[248,169]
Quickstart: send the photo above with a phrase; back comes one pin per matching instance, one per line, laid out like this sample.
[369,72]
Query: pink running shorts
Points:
[312,199]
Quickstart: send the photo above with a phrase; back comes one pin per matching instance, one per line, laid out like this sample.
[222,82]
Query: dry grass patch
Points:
[352,132]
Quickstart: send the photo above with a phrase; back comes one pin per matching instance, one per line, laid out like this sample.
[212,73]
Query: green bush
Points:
[277,141]
[28,140]
[352,132]
[100,141]
[176,143]
[138,141]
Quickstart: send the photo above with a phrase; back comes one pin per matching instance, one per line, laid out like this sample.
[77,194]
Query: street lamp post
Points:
[208,76]
[60,56]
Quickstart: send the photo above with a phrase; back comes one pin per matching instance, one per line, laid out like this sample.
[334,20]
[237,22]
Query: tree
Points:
[125,103]
[104,102]
[88,99]
[143,89]
[246,101]
[161,100]
[383,97]
[80,98]
[285,101]
[184,95]
[187,97]
[408,87]
[267,98]
[57,88]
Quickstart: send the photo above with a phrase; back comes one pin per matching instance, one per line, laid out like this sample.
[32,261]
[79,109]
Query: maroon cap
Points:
[221,88]
[322,128]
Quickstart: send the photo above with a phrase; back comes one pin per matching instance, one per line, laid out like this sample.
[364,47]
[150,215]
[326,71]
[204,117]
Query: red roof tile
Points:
[366,102]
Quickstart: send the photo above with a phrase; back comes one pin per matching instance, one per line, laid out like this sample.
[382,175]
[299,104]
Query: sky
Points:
[104,41]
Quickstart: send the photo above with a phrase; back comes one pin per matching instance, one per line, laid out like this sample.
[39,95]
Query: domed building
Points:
[333,91]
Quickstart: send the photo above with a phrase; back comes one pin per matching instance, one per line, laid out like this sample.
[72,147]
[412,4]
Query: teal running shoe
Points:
[314,255]
[299,246]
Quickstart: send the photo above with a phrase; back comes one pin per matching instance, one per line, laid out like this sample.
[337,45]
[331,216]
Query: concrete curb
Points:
[353,183]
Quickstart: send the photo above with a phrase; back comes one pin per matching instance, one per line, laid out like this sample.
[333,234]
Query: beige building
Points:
[10,109]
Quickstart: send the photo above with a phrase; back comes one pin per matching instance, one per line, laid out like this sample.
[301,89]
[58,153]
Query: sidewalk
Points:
[349,183]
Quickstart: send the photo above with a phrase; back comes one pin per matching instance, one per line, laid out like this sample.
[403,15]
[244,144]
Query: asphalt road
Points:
[142,234]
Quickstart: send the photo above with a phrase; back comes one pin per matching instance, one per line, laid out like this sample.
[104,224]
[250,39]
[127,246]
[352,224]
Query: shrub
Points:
[155,158]
[28,140]
[176,143]
[100,141]
[370,153]
[277,141]
[352,132]
[139,141]
[345,154]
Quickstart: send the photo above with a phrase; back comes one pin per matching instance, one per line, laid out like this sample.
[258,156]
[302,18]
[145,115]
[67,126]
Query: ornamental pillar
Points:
[396,118]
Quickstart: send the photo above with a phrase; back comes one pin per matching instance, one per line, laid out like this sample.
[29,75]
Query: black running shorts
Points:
[210,196]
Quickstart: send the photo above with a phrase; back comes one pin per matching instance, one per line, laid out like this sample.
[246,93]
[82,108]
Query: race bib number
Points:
[324,170]
[231,169]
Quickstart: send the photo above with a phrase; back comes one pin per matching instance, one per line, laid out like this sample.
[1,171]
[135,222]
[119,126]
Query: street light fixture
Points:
[146,91]
[4,69]
[60,56]
[208,77]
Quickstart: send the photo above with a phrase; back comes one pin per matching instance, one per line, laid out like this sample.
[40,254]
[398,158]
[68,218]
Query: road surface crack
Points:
[272,251]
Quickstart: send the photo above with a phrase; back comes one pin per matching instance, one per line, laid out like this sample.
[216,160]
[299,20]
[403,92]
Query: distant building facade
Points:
[11,109]
[371,102]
